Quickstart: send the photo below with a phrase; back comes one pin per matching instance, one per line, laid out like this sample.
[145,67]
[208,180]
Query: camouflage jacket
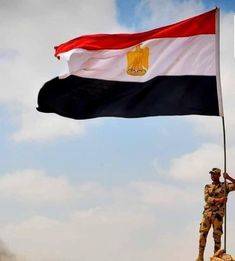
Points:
[212,191]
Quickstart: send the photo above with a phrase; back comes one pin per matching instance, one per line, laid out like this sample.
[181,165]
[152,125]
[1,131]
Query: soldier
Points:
[215,198]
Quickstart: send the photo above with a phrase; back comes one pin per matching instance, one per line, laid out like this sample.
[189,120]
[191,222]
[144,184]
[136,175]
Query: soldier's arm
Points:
[207,197]
[220,200]
[213,200]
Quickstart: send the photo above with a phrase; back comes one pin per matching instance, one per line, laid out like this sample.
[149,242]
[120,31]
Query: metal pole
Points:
[225,192]
[218,80]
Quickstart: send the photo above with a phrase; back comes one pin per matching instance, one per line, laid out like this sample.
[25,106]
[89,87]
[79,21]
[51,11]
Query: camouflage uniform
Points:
[213,214]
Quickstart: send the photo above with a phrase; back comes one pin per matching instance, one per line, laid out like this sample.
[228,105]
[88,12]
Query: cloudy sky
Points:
[102,189]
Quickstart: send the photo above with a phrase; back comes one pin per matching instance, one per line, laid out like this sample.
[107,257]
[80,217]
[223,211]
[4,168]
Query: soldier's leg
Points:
[204,229]
[217,231]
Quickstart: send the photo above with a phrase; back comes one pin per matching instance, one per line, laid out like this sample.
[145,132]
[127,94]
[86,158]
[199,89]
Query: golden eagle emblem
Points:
[138,61]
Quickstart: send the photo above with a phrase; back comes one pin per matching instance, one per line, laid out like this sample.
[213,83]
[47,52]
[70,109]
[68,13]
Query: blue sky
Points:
[104,189]
[227,6]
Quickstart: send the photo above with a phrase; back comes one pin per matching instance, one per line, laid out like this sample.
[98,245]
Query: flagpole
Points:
[225,191]
[221,112]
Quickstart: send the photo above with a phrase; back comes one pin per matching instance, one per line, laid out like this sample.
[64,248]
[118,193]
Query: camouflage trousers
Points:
[216,221]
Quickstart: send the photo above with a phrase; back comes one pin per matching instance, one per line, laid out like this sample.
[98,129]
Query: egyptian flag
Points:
[172,70]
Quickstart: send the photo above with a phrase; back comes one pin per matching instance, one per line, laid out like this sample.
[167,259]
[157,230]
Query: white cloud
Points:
[141,220]
[101,233]
[125,223]
[193,167]
[151,194]
[32,186]
[31,29]
[106,233]
[46,127]
[37,188]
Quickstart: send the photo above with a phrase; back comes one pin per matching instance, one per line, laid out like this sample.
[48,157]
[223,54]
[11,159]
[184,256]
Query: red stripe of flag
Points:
[201,24]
